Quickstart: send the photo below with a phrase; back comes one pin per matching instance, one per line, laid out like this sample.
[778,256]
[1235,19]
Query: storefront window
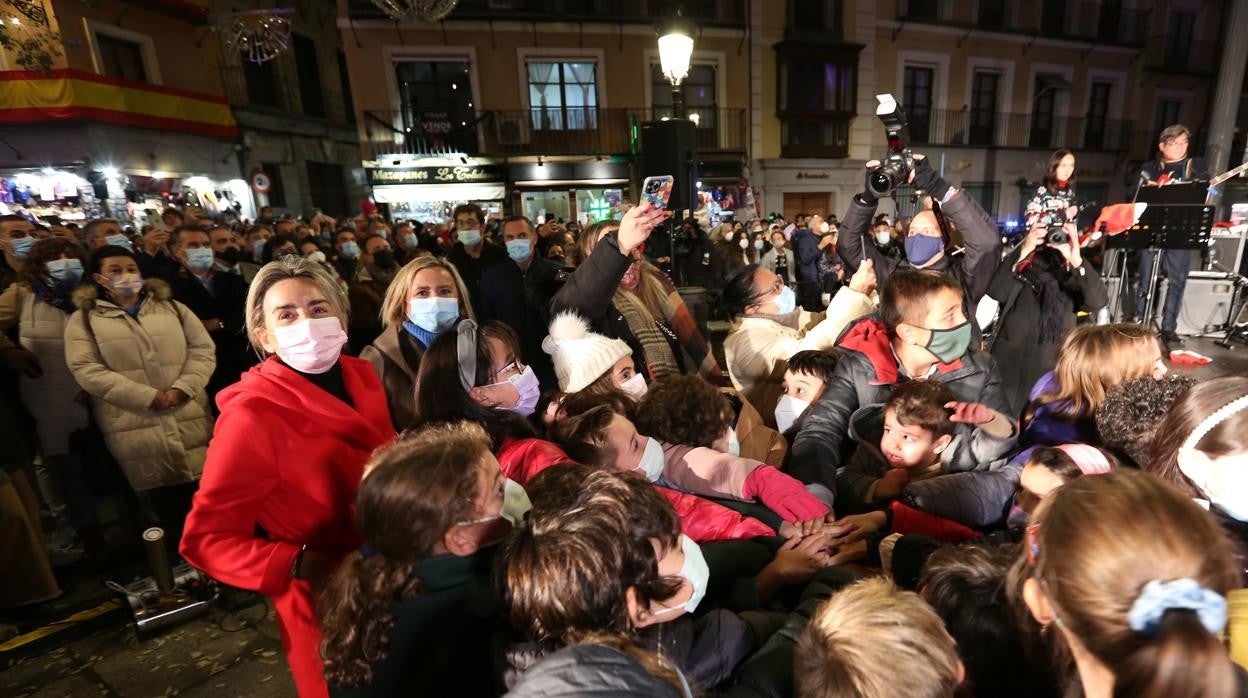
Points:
[436,100]
[541,206]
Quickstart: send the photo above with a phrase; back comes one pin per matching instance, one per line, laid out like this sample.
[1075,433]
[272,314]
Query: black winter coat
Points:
[1015,341]
[226,303]
[866,374]
[591,670]
[521,298]
[589,289]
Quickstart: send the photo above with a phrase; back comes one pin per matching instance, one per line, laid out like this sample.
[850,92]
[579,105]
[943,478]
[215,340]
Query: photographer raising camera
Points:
[925,242]
[1040,284]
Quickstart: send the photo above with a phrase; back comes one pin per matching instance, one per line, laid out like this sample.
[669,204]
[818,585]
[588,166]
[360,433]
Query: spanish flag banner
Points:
[28,97]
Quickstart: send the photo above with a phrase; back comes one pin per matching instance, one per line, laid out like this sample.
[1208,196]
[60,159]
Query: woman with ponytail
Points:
[415,606]
[1128,577]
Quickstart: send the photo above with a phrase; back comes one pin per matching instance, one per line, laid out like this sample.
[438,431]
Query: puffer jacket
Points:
[124,361]
[979,499]
[855,482]
[866,374]
[50,398]
[593,670]
[700,519]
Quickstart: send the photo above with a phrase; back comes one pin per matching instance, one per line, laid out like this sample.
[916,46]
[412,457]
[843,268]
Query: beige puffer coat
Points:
[124,361]
[50,398]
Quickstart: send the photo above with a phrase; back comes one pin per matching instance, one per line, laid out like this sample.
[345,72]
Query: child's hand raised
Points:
[969,413]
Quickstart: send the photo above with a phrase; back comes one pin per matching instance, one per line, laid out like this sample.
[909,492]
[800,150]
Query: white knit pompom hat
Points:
[580,356]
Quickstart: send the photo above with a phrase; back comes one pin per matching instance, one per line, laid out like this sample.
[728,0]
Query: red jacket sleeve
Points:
[909,520]
[705,521]
[522,459]
[219,537]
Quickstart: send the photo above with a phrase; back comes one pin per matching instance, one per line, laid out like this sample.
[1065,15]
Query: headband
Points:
[1221,415]
[1089,460]
[466,348]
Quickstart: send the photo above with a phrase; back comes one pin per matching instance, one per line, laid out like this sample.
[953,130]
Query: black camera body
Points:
[894,171]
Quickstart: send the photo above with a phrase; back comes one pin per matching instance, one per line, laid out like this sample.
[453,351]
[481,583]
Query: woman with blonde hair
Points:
[1129,578]
[626,297]
[426,297]
[1093,359]
[287,457]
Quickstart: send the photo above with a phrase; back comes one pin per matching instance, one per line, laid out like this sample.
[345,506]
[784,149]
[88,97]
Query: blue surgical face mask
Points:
[920,249]
[470,237]
[519,250]
[758,245]
[257,248]
[410,241]
[434,315]
[21,247]
[119,240]
[66,270]
[351,249]
[199,259]
[786,302]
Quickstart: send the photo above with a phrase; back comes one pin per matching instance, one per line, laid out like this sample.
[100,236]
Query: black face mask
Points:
[229,256]
[383,259]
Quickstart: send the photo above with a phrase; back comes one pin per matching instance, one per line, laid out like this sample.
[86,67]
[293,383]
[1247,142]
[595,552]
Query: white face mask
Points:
[527,386]
[317,257]
[696,572]
[883,237]
[652,462]
[1223,480]
[788,411]
[635,386]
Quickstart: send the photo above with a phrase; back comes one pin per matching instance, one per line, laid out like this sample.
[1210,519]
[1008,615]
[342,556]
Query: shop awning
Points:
[412,193]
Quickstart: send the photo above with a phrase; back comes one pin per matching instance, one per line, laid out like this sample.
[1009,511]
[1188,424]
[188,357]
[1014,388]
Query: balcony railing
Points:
[1192,57]
[552,131]
[1083,21]
[960,127]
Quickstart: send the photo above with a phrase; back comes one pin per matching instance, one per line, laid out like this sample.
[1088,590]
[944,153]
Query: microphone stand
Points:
[1121,260]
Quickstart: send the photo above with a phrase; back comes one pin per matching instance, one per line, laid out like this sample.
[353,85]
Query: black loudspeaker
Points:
[670,148]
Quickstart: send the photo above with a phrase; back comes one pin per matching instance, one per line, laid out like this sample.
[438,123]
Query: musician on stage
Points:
[1172,166]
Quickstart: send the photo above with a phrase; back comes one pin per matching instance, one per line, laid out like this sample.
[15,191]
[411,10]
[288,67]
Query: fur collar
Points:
[86,296]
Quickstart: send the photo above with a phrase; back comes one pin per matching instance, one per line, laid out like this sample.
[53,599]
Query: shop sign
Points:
[813,175]
[435,122]
[467,174]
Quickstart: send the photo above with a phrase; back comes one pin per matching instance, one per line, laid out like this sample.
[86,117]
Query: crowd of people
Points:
[502,458]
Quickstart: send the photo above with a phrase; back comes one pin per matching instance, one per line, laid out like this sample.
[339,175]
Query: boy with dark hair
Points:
[805,375]
[904,441]
[921,332]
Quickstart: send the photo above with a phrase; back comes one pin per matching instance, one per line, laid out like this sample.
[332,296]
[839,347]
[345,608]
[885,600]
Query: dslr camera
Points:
[884,178]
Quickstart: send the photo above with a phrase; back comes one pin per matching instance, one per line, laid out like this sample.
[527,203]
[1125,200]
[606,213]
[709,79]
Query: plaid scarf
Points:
[662,323]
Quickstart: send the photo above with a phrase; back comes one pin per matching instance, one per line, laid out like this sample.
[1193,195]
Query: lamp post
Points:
[675,49]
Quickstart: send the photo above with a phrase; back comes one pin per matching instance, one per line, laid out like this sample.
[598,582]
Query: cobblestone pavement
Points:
[219,655]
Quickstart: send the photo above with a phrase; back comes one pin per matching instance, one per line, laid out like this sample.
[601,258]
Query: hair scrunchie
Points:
[1157,597]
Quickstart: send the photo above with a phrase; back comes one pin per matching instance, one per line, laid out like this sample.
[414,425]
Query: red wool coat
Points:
[286,456]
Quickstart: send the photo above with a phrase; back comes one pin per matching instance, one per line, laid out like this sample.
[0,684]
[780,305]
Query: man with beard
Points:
[372,277]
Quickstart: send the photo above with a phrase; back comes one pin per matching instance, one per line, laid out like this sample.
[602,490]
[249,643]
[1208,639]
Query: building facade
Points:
[126,115]
[991,88]
[295,117]
[536,107]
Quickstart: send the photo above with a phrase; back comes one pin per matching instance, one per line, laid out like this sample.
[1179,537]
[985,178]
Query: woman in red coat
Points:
[287,457]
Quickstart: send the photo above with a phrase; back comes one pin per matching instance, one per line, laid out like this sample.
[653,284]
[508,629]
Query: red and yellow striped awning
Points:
[63,95]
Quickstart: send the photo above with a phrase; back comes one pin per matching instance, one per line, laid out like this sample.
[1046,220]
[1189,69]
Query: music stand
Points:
[1176,219]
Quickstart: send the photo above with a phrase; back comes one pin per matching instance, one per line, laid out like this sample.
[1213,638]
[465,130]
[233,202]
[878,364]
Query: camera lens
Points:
[881,182]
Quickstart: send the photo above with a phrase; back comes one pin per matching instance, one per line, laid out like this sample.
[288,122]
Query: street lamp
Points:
[675,48]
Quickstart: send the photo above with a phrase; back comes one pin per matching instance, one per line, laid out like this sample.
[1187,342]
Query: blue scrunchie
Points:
[1157,597]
